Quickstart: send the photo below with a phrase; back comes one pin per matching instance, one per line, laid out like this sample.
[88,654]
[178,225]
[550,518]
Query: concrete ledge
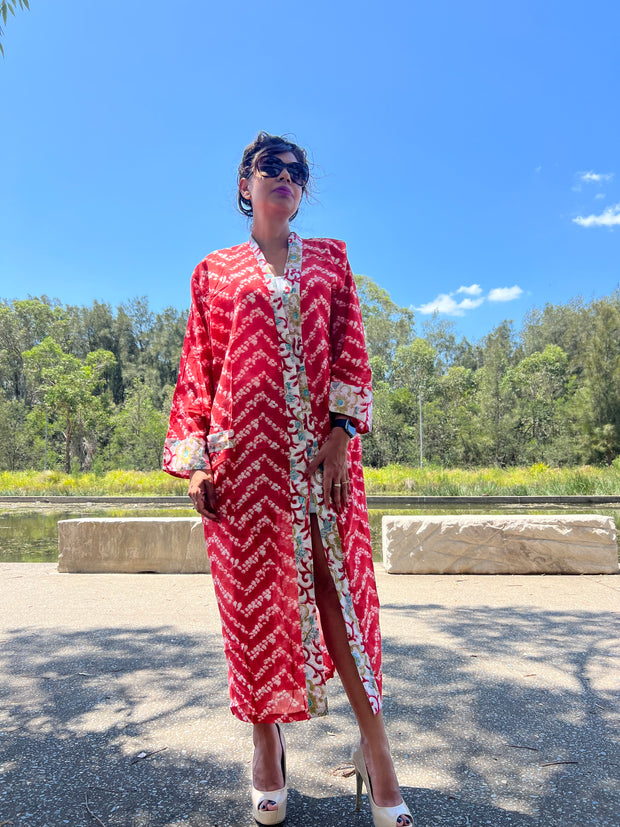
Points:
[490,544]
[372,501]
[133,544]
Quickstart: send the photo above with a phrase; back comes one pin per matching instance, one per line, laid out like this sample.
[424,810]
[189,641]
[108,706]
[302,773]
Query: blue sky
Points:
[467,152]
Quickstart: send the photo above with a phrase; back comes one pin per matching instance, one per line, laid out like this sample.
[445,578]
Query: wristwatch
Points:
[347,425]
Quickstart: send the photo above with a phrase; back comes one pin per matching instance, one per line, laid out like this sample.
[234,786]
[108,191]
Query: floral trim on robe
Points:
[351,401]
[185,455]
[286,305]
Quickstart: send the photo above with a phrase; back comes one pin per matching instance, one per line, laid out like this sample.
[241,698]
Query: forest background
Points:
[89,388]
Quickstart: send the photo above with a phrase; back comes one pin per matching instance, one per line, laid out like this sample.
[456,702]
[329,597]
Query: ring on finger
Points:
[337,484]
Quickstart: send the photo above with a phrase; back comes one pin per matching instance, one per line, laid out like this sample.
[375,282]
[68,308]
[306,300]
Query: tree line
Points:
[548,393]
[89,388]
[86,388]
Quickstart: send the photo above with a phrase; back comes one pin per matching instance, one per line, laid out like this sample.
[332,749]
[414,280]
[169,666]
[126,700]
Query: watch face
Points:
[350,430]
[347,427]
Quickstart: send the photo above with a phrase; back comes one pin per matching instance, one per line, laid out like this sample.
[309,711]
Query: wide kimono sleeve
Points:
[350,392]
[185,447]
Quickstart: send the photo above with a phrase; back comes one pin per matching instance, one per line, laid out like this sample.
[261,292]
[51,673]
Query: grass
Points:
[534,480]
[111,484]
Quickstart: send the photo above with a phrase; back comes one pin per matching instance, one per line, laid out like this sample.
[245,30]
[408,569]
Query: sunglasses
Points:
[272,166]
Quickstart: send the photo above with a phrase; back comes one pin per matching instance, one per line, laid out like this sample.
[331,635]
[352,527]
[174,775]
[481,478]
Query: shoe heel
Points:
[381,816]
[279,797]
[358,796]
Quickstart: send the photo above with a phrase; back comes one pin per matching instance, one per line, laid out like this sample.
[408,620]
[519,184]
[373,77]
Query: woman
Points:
[273,387]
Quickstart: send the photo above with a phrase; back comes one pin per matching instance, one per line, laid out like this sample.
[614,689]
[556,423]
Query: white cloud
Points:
[608,218]
[600,195]
[444,303]
[470,304]
[595,177]
[472,290]
[504,294]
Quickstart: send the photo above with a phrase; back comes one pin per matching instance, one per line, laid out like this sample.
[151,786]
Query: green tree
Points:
[497,353]
[24,324]
[133,329]
[393,437]
[99,327]
[451,419]
[602,379]
[564,325]
[386,325]
[166,340]
[415,367]
[439,333]
[139,430]
[19,448]
[415,371]
[7,6]
[66,386]
[537,384]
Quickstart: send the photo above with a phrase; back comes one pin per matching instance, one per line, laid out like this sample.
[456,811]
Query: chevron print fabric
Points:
[264,362]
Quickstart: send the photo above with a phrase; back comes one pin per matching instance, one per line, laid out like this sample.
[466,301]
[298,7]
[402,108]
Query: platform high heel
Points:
[277,797]
[398,816]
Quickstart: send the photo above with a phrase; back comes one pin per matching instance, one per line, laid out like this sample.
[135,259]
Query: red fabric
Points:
[229,411]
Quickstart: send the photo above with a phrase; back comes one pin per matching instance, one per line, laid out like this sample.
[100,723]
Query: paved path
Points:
[501,700]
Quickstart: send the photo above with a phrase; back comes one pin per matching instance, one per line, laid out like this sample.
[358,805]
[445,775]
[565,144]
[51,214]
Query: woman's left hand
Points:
[333,456]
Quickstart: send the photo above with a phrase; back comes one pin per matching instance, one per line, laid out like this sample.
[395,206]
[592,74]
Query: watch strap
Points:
[346,424]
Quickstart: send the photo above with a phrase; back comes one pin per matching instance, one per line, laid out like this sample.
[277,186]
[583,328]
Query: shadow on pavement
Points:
[477,703]
[491,696]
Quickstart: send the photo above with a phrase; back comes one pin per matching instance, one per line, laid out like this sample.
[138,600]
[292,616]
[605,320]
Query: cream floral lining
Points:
[286,301]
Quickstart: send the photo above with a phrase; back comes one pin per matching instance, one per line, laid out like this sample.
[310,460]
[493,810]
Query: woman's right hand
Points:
[202,493]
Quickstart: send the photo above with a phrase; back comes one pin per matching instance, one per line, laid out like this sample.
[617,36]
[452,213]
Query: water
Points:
[31,536]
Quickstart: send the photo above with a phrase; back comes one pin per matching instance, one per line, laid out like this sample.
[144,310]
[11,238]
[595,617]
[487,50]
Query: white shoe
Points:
[398,816]
[277,797]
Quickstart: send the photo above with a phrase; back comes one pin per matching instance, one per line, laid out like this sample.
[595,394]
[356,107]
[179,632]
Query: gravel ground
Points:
[501,697]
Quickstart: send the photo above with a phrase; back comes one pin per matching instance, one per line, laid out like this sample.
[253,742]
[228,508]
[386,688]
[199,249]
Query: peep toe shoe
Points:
[277,797]
[398,816]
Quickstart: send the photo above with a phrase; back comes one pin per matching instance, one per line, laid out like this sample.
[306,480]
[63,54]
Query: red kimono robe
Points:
[263,364]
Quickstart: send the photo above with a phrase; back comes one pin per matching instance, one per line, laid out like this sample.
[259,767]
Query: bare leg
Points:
[267,761]
[373,737]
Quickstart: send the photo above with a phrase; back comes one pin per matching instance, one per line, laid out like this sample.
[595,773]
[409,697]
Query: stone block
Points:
[492,544]
[132,544]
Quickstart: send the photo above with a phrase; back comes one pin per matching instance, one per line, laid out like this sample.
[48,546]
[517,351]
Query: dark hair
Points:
[265,144]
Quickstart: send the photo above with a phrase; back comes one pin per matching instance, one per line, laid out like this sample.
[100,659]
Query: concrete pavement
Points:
[501,698]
